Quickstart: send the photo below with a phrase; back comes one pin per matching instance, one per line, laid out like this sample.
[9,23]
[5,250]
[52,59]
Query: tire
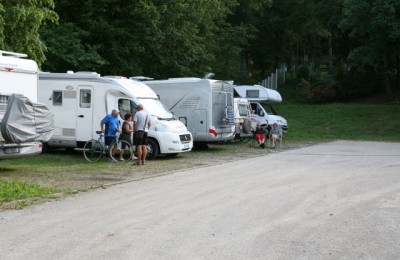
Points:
[200,146]
[45,148]
[128,151]
[93,150]
[152,149]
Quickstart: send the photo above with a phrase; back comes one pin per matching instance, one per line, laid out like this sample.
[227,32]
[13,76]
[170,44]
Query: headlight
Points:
[162,127]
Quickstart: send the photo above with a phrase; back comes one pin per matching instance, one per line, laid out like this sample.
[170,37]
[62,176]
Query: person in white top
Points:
[141,125]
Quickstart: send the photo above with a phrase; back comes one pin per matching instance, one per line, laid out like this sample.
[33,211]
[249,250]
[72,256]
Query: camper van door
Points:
[84,122]
[200,121]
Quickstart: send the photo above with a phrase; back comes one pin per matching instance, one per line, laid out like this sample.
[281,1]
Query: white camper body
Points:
[205,106]
[261,99]
[17,76]
[243,117]
[259,93]
[81,100]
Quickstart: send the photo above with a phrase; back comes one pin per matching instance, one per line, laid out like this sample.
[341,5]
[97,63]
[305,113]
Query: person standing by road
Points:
[110,126]
[141,125]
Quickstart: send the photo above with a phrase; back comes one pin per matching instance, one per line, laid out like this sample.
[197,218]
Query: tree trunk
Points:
[386,78]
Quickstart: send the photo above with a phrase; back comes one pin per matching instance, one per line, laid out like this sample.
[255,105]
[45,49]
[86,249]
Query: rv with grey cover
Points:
[24,124]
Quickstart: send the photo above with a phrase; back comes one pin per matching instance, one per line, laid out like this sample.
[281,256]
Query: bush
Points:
[323,90]
[353,83]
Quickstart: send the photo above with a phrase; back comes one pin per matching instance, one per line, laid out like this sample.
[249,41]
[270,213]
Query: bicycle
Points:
[94,149]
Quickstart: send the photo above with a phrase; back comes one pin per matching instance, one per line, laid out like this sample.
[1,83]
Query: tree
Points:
[149,37]
[20,22]
[374,28]
[285,29]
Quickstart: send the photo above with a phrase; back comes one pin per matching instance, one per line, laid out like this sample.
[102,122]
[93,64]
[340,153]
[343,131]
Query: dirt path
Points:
[329,201]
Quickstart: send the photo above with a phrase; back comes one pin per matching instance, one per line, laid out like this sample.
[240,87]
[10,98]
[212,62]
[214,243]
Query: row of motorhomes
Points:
[183,111]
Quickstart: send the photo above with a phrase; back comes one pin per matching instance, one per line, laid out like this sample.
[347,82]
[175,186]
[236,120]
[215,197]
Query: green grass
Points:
[14,190]
[345,121]
[342,121]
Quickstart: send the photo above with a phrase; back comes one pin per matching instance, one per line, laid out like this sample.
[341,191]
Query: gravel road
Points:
[338,200]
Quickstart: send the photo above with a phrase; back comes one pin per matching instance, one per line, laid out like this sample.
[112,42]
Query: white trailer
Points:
[205,106]
[81,100]
[18,75]
[261,99]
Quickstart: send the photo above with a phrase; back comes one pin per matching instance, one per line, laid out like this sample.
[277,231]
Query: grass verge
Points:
[22,194]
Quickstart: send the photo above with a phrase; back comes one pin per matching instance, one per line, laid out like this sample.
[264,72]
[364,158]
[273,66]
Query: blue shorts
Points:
[108,140]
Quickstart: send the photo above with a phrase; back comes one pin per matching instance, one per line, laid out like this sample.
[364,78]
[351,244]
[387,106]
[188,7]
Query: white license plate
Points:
[11,150]
[186,146]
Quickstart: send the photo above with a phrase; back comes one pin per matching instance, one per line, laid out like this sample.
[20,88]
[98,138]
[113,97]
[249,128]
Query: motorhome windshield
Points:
[155,108]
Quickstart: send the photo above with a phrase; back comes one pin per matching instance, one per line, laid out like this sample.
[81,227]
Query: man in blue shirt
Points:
[110,126]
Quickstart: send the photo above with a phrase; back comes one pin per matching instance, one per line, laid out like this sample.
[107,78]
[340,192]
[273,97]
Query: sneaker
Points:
[111,160]
[262,146]
[138,163]
[121,160]
[143,162]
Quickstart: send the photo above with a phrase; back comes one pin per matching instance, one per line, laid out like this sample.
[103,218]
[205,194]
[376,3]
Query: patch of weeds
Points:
[14,190]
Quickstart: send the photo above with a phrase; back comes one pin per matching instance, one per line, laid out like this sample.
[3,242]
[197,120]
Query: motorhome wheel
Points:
[152,149]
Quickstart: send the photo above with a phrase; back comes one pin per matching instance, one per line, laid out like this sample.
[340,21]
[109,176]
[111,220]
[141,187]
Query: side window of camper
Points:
[242,110]
[3,102]
[85,100]
[252,93]
[57,98]
[126,106]
[254,108]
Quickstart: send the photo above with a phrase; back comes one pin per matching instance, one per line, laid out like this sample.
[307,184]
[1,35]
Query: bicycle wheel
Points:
[93,150]
[121,151]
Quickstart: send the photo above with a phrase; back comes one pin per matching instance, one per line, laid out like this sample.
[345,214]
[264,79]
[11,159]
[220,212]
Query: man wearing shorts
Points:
[110,126]
[141,125]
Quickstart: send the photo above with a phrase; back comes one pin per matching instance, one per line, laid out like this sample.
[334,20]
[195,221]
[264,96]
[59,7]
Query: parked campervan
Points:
[243,117]
[80,101]
[18,108]
[261,99]
[205,106]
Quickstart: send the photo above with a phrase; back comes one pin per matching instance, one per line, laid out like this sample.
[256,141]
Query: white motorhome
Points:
[205,106]
[261,99]
[18,75]
[243,117]
[81,100]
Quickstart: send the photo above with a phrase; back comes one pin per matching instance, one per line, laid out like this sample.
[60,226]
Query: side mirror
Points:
[261,113]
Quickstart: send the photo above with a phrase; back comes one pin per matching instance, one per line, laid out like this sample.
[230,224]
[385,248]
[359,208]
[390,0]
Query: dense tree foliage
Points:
[374,26]
[20,21]
[156,38]
[336,48]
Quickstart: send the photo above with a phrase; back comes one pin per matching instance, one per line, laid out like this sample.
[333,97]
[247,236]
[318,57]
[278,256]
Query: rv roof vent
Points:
[209,75]
[141,78]
[70,72]
[13,54]
[114,77]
